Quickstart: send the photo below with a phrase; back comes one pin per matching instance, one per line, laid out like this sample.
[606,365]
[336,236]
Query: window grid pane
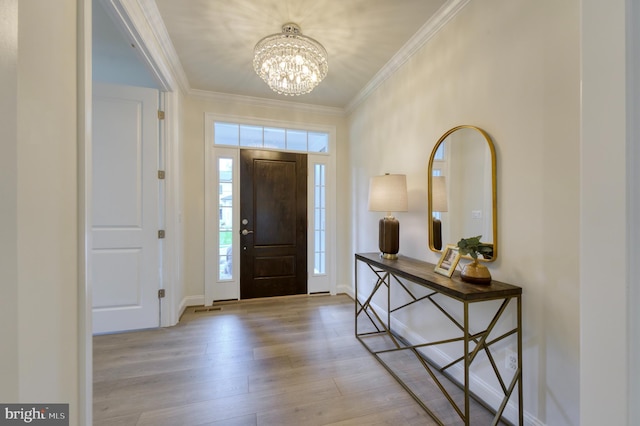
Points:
[226,134]
[318,142]
[274,138]
[296,140]
[252,136]
[225,226]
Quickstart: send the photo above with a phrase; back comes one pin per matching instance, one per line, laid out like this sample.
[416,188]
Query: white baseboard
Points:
[199,299]
[346,289]
[190,301]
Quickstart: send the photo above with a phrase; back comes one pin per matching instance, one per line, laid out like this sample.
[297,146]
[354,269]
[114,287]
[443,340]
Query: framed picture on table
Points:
[448,261]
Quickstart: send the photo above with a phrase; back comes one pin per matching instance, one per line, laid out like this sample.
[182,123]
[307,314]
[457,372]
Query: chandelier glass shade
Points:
[290,63]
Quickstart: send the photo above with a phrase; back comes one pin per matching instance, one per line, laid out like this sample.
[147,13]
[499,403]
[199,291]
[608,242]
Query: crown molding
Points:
[142,22]
[264,102]
[145,25]
[161,36]
[424,34]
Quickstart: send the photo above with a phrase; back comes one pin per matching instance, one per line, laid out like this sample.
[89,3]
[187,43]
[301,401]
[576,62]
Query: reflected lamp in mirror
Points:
[439,200]
[388,193]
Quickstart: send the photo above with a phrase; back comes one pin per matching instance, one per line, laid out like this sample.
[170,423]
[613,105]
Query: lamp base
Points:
[389,256]
[389,237]
[437,234]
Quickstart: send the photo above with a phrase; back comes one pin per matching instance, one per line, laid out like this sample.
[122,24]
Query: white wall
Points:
[633,182]
[193,168]
[511,68]
[605,359]
[40,320]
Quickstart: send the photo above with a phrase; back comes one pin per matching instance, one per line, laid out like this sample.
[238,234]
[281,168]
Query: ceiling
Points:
[213,40]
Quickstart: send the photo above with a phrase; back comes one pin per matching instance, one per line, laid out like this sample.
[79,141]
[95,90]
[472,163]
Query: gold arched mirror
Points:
[462,189]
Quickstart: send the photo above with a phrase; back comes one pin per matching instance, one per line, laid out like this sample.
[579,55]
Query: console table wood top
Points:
[423,273]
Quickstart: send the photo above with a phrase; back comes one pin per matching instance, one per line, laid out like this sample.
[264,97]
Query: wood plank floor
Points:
[281,361]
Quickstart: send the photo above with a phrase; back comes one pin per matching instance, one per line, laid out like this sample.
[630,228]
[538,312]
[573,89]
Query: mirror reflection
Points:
[462,189]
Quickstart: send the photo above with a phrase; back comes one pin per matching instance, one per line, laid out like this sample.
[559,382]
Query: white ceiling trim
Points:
[161,36]
[127,16]
[153,39]
[264,102]
[424,34]
[144,29]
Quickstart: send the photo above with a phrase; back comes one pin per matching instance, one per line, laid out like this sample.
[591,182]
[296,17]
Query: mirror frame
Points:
[494,191]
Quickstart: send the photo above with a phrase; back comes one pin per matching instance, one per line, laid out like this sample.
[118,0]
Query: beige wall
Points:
[41,202]
[193,167]
[9,196]
[511,68]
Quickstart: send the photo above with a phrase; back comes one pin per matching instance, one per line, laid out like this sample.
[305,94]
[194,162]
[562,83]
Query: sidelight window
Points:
[225,218]
[320,213]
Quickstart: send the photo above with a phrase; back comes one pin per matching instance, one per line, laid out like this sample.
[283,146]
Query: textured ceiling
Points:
[214,40]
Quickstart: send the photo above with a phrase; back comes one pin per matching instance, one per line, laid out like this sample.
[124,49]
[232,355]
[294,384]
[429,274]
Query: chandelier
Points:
[290,63]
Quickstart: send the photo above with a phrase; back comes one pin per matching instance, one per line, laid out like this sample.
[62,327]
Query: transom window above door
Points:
[281,139]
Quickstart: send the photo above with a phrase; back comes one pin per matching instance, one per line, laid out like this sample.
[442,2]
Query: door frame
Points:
[131,18]
[316,283]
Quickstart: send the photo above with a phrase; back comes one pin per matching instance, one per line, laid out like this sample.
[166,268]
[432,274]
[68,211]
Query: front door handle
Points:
[246,232]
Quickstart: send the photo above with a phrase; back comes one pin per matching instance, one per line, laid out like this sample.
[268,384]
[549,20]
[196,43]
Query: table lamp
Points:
[388,193]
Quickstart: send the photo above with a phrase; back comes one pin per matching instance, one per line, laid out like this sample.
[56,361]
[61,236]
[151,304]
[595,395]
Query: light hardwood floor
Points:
[281,361]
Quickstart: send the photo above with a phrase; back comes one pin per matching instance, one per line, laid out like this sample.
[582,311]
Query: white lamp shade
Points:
[438,194]
[388,193]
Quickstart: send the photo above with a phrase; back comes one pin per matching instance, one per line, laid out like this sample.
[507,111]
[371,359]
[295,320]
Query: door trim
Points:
[85,297]
[315,283]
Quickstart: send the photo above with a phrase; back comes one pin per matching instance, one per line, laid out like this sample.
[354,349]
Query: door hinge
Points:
[161,233]
[160,174]
[161,293]
[160,115]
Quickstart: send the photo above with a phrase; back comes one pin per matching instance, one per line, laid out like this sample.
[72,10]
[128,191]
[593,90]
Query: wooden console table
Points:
[394,274]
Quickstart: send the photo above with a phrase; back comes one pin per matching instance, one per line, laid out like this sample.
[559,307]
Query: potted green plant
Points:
[474,272]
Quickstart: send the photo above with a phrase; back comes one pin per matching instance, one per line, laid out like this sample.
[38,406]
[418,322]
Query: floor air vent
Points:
[210,309]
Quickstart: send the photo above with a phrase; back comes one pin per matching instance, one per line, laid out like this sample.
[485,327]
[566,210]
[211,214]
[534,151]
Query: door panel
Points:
[125,208]
[116,286]
[274,206]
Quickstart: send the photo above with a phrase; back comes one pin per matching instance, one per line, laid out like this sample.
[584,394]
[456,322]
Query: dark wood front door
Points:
[273,224]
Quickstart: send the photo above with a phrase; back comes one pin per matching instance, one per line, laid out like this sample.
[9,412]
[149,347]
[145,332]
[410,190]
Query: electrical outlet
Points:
[511,360]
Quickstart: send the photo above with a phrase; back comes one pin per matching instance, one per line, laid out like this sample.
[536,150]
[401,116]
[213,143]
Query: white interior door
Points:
[125,258]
